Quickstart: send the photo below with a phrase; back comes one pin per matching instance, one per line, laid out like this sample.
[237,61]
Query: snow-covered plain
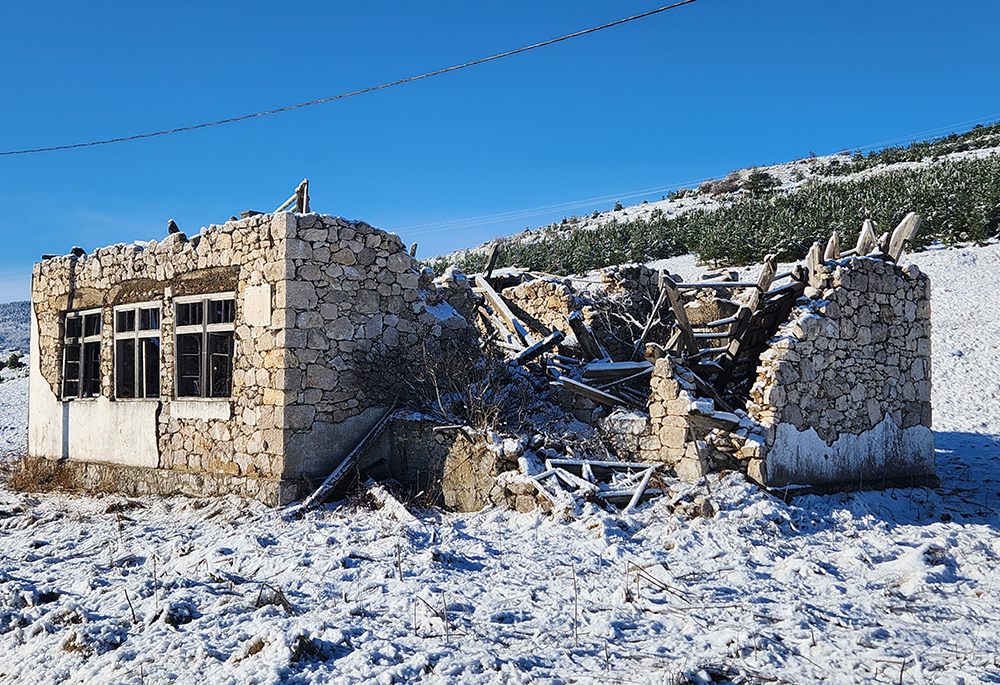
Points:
[894,586]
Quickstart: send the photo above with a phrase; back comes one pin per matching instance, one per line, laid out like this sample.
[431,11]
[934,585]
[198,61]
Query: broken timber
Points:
[539,348]
[592,349]
[500,308]
[590,392]
[344,468]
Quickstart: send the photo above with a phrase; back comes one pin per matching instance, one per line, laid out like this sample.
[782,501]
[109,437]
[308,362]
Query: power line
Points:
[370,89]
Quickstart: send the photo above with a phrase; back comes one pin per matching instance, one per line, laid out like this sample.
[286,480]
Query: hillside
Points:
[953,182]
[14,318]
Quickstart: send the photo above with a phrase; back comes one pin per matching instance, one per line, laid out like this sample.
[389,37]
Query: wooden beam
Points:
[501,309]
[588,343]
[491,261]
[609,370]
[652,315]
[740,329]
[539,348]
[903,234]
[344,468]
[687,334]
[591,392]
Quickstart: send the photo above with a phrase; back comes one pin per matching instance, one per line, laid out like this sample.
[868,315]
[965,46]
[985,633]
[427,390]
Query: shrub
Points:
[14,361]
[761,183]
[618,206]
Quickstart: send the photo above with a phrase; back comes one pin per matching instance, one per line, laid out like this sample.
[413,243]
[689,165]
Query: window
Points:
[137,351]
[82,354]
[204,350]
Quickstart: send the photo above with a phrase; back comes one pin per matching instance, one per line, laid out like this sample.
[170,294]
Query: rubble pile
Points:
[818,376]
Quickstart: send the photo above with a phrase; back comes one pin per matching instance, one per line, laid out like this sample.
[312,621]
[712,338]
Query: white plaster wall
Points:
[87,430]
[884,452]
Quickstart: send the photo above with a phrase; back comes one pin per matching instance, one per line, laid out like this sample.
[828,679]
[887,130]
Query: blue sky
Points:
[687,94]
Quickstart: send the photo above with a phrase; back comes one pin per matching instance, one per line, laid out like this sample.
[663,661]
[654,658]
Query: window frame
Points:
[83,380]
[139,336]
[204,330]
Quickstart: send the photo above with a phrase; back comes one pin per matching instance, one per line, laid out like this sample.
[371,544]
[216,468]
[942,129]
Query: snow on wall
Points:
[844,389]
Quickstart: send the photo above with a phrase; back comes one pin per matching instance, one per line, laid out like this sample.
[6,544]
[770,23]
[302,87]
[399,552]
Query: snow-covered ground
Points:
[894,586]
[13,411]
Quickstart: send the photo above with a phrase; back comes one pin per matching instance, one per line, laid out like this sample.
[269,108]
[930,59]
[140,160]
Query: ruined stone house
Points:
[237,361]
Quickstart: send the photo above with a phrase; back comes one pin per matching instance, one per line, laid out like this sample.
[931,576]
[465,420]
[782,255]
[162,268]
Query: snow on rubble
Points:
[891,586]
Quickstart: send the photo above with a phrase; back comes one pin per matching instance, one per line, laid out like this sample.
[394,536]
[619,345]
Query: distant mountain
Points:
[14,325]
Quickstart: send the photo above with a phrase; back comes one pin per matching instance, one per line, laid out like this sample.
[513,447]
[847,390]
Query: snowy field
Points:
[879,587]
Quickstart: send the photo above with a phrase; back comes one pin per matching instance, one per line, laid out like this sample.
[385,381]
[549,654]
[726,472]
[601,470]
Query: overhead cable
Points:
[370,89]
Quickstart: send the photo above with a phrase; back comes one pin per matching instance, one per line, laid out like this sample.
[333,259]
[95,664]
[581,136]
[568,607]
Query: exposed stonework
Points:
[456,469]
[842,392]
[319,301]
[679,425]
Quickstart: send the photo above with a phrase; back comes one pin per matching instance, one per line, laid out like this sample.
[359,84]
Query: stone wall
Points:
[453,468]
[844,389]
[682,431]
[322,305]
[842,394]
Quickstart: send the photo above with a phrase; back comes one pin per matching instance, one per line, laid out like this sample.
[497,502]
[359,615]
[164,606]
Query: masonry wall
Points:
[356,316]
[322,305]
[687,434]
[842,395]
[844,389]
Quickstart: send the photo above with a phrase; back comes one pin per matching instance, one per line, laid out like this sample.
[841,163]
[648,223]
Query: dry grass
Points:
[41,475]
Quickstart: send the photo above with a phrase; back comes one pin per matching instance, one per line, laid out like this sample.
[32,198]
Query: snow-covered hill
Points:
[14,317]
[788,177]
[894,586]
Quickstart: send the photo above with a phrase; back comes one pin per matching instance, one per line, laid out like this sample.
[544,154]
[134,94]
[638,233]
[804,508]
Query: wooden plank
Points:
[721,322]
[711,336]
[740,329]
[343,469]
[866,239]
[832,250]
[588,343]
[591,392]
[701,285]
[903,234]
[608,370]
[501,309]
[687,335]
[491,261]
[626,379]
[640,490]
[539,348]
